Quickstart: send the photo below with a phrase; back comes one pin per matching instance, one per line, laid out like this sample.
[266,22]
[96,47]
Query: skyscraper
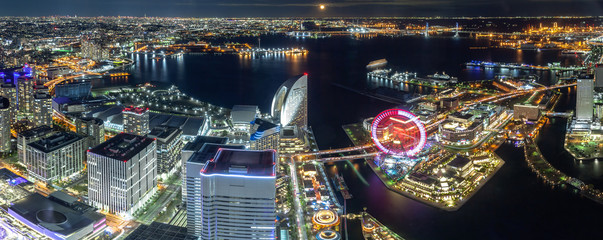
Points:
[25,94]
[584,99]
[4,125]
[122,173]
[192,148]
[9,90]
[290,103]
[55,157]
[169,149]
[136,120]
[42,109]
[235,196]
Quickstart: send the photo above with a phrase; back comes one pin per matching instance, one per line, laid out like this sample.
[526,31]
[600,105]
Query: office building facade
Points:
[234,197]
[55,157]
[122,174]
[193,147]
[584,99]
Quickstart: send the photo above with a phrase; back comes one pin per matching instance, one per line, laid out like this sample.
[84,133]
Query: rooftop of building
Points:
[459,162]
[37,131]
[242,162]
[459,126]
[164,133]
[160,231]
[59,213]
[92,120]
[122,147]
[243,113]
[209,151]
[55,141]
[199,141]
[136,110]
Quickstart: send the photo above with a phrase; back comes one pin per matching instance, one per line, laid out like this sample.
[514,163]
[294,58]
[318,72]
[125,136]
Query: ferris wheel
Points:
[398,132]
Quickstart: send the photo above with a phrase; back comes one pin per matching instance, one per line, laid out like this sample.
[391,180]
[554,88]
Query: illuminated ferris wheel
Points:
[398,132]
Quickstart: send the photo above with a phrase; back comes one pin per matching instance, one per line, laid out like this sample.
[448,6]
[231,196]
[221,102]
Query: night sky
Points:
[301,8]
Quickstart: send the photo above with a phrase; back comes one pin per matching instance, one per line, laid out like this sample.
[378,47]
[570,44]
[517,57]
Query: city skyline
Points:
[305,128]
[300,8]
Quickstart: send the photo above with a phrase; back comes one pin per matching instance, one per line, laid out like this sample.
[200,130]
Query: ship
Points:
[568,52]
[443,76]
[377,64]
[342,187]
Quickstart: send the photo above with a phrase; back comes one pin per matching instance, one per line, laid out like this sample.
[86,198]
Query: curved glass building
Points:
[290,103]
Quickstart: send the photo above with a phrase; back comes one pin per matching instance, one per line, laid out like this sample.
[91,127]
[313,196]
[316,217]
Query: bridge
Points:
[560,114]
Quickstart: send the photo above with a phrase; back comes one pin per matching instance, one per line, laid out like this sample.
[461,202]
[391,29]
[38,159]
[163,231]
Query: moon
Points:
[321,6]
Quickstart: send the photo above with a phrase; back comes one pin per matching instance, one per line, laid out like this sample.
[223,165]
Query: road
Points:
[165,198]
[296,196]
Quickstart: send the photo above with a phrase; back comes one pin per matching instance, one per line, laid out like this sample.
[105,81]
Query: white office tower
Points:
[122,174]
[234,197]
[584,100]
[5,120]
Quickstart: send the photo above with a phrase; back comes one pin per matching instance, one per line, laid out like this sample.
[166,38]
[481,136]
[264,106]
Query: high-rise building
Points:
[193,147]
[4,125]
[290,103]
[25,94]
[55,157]
[234,197]
[122,174]
[42,109]
[9,90]
[136,120]
[169,149]
[192,183]
[92,128]
[266,135]
[584,99]
[30,136]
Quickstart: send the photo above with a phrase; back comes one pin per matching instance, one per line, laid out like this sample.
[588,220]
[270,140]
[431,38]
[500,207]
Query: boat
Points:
[377,64]
[568,52]
[342,187]
[442,77]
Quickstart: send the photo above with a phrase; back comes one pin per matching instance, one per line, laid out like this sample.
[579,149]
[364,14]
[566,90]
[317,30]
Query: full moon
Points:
[322,7]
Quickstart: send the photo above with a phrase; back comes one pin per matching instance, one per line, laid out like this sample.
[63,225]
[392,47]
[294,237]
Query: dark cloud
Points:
[302,8]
